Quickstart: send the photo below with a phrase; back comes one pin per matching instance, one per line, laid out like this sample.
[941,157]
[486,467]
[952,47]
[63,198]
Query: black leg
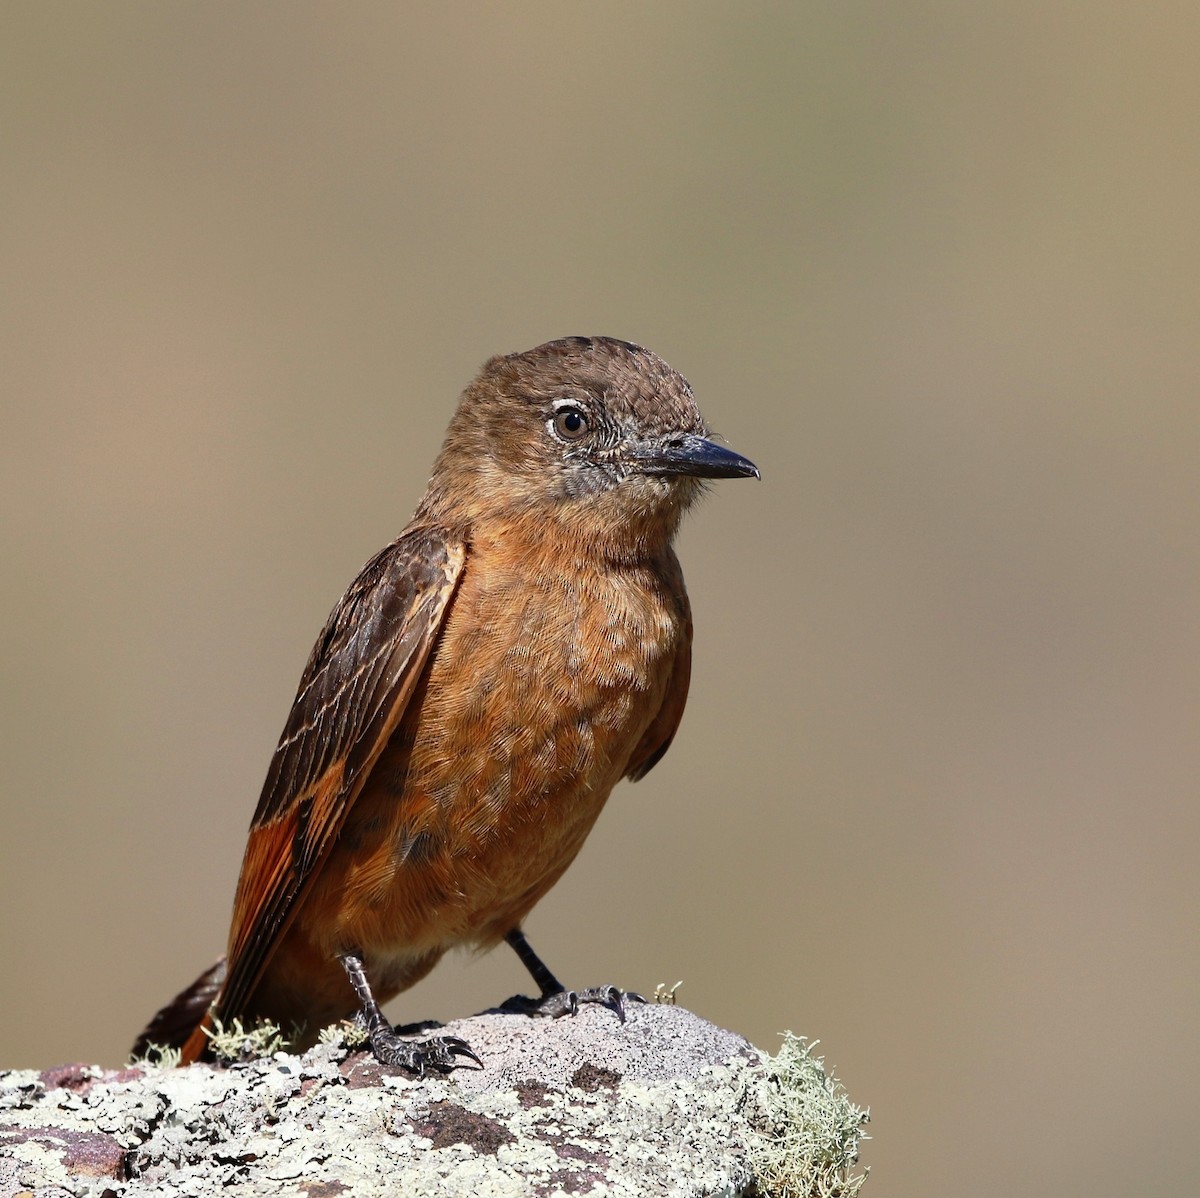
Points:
[556,999]
[389,1048]
[547,982]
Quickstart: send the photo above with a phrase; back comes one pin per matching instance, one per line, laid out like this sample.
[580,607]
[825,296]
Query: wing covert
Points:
[352,694]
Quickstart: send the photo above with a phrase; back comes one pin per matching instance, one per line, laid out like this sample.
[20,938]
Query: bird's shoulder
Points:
[377,630]
[383,591]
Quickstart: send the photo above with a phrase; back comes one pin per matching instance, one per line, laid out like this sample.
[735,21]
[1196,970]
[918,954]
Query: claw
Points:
[612,997]
[417,1055]
[460,1048]
[628,996]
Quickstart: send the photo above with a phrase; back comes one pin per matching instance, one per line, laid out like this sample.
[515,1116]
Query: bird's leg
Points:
[390,1049]
[556,999]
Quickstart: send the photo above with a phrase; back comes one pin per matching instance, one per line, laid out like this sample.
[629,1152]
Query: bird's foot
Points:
[567,1002]
[438,1052]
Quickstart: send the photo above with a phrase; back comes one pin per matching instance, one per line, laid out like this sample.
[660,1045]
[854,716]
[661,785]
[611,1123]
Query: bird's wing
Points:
[354,690]
[656,740]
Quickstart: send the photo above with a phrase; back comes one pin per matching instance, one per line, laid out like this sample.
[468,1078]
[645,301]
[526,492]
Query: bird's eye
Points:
[570,423]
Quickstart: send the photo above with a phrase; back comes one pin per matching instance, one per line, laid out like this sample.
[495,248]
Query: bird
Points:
[472,700]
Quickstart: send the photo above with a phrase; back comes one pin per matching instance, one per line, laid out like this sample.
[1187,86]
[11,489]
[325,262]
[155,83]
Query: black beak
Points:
[690,454]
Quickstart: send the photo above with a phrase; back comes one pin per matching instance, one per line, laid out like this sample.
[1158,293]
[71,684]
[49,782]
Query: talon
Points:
[461,1048]
[612,998]
[606,996]
[417,1055]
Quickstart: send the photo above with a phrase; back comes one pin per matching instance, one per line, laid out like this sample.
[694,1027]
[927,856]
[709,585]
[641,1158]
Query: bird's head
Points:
[590,433]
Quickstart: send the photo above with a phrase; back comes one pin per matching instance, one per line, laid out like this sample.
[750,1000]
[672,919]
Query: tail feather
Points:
[179,1024]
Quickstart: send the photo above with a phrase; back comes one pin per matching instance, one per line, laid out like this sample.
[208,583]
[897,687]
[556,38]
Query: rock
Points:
[663,1104]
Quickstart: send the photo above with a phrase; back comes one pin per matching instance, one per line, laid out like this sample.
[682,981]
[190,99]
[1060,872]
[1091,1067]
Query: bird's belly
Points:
[467,843]
[480,802]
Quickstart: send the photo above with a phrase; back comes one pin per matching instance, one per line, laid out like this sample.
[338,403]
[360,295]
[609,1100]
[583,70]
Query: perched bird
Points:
[475,695]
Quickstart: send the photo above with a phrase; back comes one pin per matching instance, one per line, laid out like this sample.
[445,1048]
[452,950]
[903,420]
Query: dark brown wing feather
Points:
[657,738]
[173,1024]
[353,692]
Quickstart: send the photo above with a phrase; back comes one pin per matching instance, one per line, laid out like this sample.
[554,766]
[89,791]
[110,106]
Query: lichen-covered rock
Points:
[663,1104]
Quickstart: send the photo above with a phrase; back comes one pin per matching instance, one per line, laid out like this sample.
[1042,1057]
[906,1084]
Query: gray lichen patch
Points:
[666,1103]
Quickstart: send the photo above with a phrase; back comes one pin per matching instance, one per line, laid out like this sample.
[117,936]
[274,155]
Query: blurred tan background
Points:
[933,266]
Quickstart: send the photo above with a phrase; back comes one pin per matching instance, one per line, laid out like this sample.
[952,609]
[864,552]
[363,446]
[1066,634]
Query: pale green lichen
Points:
[158,1056]
[807,1145]
[233,1042]
[348,1033]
